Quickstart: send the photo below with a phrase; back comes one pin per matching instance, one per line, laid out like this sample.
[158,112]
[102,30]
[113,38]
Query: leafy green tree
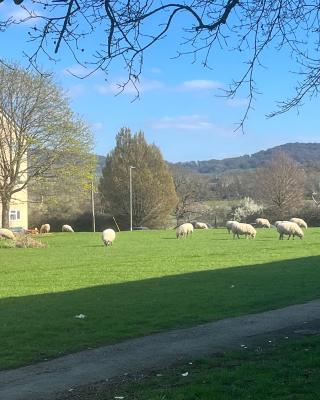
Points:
[41,139]
[154,195]
[62,196]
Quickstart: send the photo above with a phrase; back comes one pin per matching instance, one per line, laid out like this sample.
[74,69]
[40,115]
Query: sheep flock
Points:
[291,228]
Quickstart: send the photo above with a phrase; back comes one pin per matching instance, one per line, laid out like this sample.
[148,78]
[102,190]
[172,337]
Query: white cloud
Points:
[19,14]
[97,126]
[148,85]
[144,85]
[200,84]
[156,70]
[192,122]
[237,102]
[76,91]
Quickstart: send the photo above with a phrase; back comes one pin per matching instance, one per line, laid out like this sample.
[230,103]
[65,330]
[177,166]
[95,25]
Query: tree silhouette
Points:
[123,31]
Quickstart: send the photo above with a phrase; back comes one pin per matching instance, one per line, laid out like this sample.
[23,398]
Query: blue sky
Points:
[180,107]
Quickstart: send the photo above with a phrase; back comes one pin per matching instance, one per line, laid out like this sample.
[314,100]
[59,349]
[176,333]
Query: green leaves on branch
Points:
[40,136]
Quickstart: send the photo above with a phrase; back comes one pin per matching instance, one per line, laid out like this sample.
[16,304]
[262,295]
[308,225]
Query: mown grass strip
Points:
[287,372]
[146,282]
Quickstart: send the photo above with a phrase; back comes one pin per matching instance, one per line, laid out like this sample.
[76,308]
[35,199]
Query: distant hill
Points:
[302,153]
[101,162]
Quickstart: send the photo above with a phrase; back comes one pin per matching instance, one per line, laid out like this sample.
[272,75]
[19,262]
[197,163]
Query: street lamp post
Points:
[130,179]
[92,208]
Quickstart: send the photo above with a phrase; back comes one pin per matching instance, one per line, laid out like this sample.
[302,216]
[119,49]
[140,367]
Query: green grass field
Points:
[146,282]
[287,372]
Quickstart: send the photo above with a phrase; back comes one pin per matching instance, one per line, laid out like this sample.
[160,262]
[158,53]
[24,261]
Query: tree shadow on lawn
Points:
[42,326]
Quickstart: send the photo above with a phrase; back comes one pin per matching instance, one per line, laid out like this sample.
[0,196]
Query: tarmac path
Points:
[45,380]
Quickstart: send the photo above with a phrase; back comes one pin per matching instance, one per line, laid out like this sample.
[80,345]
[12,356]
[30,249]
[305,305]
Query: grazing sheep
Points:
[108,236]
[184,230]
[67,228]
[277,223]
[243,229]
[6,234]
[200,225]
[45,228]
[299,222]
[229,225]
[262,223]
[289,228]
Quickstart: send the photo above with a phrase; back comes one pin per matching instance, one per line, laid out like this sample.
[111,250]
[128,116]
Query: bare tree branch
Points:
[124,30]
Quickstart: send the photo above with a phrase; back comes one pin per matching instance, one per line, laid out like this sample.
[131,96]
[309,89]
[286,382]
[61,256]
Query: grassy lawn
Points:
[289,372]
[146,282]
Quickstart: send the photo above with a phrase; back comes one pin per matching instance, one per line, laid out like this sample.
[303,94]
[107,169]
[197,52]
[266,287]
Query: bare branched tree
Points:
[280,185]
[190,189]
[123,31]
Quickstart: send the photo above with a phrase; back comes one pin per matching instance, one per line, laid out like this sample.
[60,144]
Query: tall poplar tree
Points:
[153,193]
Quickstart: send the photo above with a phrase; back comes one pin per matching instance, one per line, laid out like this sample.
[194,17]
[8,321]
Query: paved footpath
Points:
[44,380]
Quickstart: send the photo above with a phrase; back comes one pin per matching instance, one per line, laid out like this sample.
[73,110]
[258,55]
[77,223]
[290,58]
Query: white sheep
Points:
[200,225]
[67,228]
[229,225]
[184,230]
[6,234]
[243,229]
[289,228]
[108,236]
[262,223]
[299,222]
[45,228]
[277,223]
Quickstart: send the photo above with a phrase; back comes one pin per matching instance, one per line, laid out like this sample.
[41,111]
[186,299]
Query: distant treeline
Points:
[303,153]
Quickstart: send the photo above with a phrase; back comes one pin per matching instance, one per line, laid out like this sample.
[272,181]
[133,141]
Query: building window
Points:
[14,215]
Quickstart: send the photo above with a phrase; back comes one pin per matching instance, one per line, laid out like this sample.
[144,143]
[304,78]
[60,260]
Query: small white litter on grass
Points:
[159,374]
[80,316]
[119,397]
[232,286]
[185,374]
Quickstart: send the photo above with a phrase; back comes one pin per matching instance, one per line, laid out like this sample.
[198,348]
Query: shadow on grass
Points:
[42,326]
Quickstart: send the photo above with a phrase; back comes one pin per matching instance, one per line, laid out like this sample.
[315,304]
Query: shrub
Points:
[247,208]
[25,241]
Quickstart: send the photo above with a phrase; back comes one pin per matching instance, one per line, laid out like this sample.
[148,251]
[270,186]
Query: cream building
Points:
[18,214]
